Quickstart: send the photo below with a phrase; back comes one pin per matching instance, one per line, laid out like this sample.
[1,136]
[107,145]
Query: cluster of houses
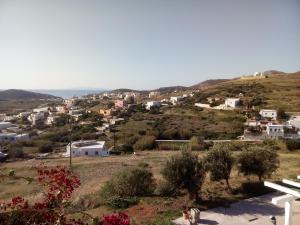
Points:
[11,133]
[268,127]
[229,103]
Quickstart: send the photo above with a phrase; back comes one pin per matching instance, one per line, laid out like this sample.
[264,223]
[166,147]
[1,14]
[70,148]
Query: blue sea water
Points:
[67,93]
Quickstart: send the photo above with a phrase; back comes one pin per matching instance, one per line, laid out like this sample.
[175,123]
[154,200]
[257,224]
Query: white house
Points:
[176,99]
[275,131]
[23,114]
[232,102]
[295,121]
[5,125]
[268,113]
[41,110]
[154,94]
[13,137]
[87,148]
[34,117]
[152,104]
[51,119]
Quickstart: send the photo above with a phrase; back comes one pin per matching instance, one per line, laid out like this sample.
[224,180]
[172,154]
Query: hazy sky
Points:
[143,43]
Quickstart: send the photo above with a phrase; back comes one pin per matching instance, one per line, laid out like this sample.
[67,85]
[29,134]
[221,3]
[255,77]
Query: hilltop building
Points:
[232,102]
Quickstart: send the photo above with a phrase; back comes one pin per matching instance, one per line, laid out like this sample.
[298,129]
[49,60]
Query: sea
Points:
[68,93]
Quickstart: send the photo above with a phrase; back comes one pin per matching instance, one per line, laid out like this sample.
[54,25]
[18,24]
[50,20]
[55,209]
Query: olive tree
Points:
[258,160]
[125,187]
[219,163]
[185,171]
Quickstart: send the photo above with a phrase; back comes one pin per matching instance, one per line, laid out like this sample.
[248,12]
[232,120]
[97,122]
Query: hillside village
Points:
[126,123]
[106,111]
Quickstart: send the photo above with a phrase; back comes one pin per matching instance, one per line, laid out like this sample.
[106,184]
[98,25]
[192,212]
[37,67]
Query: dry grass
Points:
[93,172]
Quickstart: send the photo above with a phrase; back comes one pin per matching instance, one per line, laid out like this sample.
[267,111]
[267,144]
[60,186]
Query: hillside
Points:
[21,95]
[276,91]
[208,83]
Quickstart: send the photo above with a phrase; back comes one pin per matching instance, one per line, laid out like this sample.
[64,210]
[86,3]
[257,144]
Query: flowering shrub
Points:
[59,183]
[116,219]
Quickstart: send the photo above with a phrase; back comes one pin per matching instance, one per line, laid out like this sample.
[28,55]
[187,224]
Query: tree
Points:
[219,163]
[125,187]
[258,160]
[281,114]
[185,171]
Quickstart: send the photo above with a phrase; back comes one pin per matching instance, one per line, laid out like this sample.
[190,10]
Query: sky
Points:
[143,44]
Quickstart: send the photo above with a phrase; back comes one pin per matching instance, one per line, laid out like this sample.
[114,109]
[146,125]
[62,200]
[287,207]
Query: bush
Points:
[144,143]
[15,151]
[165,189]
[258,160]
[219,162]
[185,171]
[196,143]
[293,144]
[46,147]
[126,148]
[125,187]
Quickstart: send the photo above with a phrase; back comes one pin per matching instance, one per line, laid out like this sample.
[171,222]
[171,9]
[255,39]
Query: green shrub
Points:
[46,147]
[144,143]
[126,148]
[165,189]
[258,160]
[293,144]
[185,171]
[124,188]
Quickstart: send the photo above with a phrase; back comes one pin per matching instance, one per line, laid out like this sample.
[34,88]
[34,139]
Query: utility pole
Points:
[70,139]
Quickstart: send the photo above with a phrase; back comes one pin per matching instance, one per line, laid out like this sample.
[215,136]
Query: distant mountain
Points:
[15,94]
[164,90]
[208,83]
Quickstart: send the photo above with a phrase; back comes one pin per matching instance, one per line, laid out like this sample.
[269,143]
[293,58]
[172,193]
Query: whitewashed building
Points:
[152,104]
[176,99]
[12,137]
[87,148]
[34,117]
[41,110]
[268,113]
[232,102]
[275,131]
[5,125]
[154,94]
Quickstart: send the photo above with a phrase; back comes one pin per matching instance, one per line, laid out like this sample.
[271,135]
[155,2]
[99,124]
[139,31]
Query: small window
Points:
[86,153]
[96,153]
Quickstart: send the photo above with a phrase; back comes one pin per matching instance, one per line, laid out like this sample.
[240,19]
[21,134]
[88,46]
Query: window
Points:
[96,153]
[86,153]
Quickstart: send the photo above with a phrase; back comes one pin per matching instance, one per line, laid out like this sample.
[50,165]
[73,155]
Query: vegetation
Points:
[258,160]
[144,143]
[125,187]
[185,171]
[219,162]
